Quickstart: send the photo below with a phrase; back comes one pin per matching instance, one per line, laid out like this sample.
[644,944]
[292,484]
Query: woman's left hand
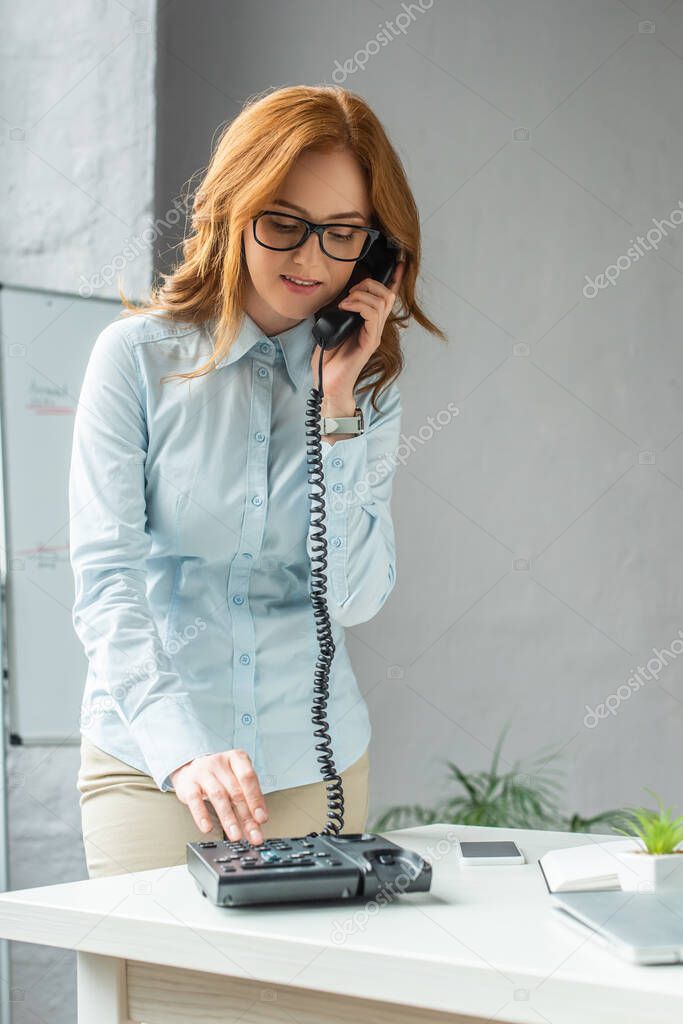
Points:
[342,365]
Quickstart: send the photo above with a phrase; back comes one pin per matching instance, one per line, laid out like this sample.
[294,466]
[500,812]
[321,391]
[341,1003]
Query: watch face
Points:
[341,427]
[352,425]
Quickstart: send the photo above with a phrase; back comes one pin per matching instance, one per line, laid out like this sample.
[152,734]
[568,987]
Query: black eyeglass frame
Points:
[318,229]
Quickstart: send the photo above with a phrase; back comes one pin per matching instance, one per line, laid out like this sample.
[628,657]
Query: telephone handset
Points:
[333,325]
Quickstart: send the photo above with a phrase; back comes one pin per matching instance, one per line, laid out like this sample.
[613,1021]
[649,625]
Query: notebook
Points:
[584,868]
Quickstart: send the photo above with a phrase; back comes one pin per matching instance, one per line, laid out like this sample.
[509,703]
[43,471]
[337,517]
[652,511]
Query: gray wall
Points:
[77,160]
[540,140]
[77,145]
[538,531]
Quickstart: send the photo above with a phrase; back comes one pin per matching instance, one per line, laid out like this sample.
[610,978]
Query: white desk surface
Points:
[484,941]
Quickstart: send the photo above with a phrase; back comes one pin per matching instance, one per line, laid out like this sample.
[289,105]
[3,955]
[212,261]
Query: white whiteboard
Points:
[47,338]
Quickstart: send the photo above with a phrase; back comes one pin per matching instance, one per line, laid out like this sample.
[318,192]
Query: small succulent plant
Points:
[659,832]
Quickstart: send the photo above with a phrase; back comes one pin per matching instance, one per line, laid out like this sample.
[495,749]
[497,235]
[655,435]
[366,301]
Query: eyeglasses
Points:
[284,231]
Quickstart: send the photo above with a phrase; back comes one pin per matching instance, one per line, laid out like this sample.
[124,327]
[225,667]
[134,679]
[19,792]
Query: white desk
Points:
[483,943]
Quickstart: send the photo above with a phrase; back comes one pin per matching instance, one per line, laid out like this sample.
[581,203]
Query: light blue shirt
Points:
[190,544]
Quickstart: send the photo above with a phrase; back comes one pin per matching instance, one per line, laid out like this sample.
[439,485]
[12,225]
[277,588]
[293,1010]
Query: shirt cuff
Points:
[170,734]
[345,467]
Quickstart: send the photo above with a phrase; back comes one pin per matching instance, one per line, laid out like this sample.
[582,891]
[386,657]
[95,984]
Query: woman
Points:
[189,494]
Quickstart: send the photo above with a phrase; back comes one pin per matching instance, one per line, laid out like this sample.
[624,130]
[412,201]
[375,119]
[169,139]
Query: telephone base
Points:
[359,865]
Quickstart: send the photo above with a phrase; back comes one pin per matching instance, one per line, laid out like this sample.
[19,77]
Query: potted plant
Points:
[655,862]
[526,795]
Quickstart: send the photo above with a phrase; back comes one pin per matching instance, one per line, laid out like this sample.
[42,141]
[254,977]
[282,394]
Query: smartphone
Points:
[495,852]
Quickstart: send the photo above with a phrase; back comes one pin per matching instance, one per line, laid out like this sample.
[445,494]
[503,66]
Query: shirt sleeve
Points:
[109,542]
[361,549]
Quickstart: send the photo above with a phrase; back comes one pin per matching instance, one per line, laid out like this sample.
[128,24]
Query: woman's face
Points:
[322,187]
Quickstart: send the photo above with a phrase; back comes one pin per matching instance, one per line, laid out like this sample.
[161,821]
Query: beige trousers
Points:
[129,824]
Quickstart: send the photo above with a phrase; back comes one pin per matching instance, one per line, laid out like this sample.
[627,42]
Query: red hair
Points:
[251,160]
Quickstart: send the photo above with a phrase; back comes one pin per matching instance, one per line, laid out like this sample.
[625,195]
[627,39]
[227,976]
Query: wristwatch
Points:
[343,424]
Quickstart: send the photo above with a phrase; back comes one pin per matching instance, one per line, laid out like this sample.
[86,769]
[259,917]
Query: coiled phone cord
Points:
[316,477]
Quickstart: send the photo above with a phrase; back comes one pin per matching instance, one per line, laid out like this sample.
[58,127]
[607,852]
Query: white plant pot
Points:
[644,872]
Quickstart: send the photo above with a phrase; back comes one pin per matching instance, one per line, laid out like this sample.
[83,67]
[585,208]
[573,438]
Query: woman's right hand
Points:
[229,781]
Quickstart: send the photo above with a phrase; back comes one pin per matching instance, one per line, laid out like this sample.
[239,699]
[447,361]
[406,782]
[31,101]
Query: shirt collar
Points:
[296,344]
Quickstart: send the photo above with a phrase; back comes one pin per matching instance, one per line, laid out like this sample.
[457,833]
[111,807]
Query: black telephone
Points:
[319,865]
[333,325]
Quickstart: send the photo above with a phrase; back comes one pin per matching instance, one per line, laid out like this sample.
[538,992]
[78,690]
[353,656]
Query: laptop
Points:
[644,928]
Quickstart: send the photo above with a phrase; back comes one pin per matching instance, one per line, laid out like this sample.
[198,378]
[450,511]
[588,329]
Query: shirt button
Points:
[265,346]
[245,659]
[337,487]
[247,719]
[337,462]
[257,500]
[262,371]
[337,542]
[238,599]
[247,554]
[259,435]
